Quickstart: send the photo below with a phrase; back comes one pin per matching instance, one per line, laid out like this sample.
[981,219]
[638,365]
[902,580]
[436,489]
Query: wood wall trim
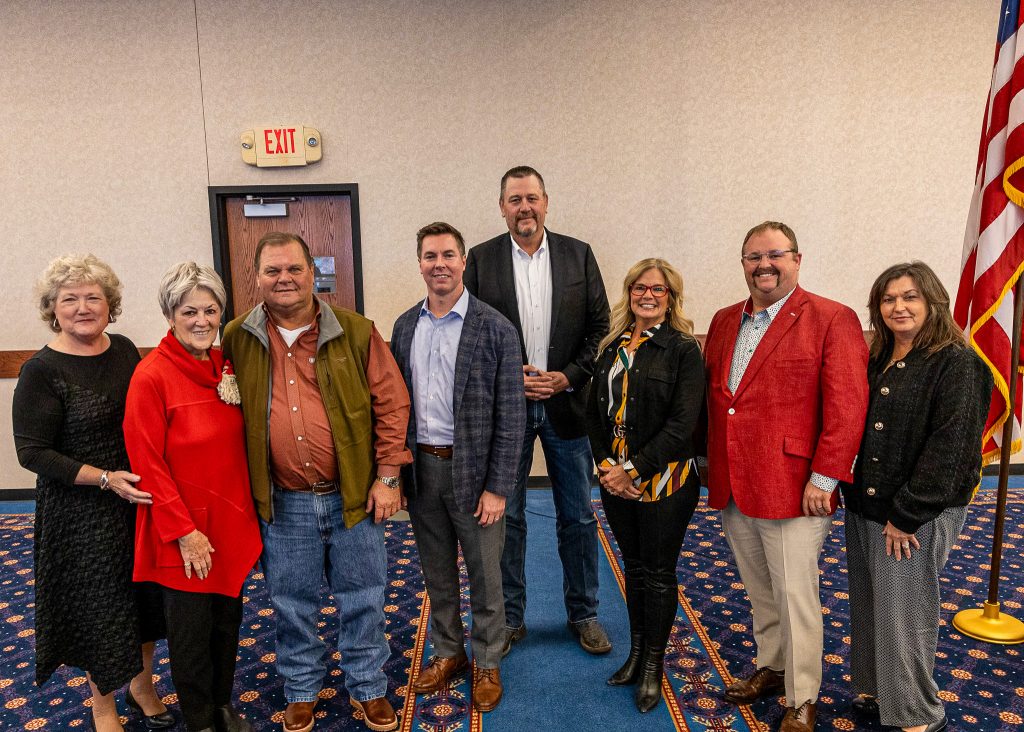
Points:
[11,361]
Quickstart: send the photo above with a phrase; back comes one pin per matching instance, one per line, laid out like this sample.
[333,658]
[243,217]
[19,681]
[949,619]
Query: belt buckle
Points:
[619,430]
[323,487]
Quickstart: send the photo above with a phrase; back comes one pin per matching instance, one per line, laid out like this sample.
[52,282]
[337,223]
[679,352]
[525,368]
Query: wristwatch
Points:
[390,481]
[104,481]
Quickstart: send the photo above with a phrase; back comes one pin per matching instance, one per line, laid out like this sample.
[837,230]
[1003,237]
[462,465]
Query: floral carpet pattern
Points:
[982,684]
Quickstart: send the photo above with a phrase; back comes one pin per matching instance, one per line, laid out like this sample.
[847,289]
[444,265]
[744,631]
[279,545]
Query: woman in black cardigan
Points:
[918,468]
[645,399]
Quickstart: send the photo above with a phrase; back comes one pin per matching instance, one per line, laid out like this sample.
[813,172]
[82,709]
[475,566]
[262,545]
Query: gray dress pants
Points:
[441,527]
[894,617]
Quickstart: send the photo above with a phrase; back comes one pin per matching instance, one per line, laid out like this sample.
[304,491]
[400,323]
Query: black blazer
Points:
[666,395]
[921,450]
[579,314]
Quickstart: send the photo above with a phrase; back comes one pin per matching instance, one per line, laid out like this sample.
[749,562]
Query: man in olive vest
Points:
[326,412]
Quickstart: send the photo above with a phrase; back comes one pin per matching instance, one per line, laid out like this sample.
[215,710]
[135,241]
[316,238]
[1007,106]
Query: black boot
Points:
[227,720]
[630,670]
[648,686]
[660,611]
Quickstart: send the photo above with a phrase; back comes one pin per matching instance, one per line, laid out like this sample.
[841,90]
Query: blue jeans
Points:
[307,540]
[571,468]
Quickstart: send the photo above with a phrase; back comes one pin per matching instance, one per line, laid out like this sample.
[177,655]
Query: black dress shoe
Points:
[163,720]
[226,719]
[865,706]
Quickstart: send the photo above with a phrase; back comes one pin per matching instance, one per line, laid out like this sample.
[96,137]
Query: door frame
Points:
[219,228]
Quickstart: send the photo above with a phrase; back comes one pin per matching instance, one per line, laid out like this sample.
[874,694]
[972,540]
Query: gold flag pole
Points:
[988,623]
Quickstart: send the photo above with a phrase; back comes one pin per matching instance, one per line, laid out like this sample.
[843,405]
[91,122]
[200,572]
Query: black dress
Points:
[89,614]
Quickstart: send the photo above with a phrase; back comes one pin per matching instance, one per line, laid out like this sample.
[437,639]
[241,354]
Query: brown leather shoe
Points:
[298,717]
[800,719]
[764,682]
[378,714]
[486,689]
[438,672]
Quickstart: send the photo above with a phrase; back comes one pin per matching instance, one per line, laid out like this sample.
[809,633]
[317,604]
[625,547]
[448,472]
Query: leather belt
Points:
[442,451]
[319,489]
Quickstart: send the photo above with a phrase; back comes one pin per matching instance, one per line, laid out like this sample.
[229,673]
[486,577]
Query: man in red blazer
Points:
[787,398]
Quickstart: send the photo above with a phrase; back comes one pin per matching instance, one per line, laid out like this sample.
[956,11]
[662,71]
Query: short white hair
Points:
[184,278]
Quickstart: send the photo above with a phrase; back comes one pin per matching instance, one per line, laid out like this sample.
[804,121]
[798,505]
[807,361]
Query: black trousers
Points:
[202,642]
[650,536]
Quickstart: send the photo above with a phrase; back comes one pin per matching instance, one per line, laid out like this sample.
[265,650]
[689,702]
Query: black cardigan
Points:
[921,450]
[666,393]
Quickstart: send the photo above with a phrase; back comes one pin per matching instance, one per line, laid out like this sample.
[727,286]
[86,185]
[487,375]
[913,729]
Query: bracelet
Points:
[389,481]
[104,481]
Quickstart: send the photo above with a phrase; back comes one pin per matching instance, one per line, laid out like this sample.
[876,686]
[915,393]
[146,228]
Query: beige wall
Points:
[662,128]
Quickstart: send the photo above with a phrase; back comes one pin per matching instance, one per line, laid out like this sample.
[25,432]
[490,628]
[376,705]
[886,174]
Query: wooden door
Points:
[326,221]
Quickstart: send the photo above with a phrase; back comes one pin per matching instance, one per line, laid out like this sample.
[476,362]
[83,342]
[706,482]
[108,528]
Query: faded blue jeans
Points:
[571,469]
[306,541]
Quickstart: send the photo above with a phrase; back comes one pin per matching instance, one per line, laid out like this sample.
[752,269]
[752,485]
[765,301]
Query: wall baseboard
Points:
[17,494]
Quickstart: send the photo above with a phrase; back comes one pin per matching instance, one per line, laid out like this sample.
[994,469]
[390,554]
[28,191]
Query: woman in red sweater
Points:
[200,537]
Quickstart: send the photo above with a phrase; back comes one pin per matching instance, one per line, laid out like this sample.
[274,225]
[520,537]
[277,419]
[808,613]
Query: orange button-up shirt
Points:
[301,443]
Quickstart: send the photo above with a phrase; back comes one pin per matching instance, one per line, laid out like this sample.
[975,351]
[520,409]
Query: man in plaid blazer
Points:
[462,365]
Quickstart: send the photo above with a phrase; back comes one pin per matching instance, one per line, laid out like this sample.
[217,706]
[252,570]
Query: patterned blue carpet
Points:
[983,684]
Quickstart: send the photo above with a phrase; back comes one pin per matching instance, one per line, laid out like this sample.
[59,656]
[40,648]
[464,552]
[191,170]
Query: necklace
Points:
[894,360]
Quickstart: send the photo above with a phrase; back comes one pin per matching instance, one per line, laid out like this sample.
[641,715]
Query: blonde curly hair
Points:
[70,270]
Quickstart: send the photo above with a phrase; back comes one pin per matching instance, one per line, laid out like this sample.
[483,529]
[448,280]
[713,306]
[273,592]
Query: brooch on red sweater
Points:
[227,389]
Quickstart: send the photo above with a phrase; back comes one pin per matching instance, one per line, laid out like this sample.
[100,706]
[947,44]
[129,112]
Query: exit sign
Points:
[281,145]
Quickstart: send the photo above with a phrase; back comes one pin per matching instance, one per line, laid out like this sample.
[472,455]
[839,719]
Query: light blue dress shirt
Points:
[435,346]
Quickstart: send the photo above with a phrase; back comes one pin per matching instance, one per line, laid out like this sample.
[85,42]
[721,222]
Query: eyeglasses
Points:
[773,256]
[639,290]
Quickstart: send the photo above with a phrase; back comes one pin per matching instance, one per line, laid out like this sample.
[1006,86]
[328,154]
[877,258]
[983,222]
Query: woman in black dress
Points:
[645,400]
[68,410]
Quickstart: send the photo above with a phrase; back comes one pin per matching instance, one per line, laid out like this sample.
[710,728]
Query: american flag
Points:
[993,256]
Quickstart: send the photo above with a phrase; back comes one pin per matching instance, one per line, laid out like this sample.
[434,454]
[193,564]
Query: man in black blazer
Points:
[550,287]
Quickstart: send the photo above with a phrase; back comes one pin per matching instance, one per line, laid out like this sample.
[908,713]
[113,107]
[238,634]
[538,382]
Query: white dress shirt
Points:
[533,295]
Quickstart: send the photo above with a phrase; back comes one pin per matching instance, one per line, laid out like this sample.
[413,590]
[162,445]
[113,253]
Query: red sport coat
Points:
[800,406]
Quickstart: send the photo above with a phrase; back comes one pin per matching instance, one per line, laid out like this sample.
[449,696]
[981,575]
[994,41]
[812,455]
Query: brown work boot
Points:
[378,714]
[298,717]
[438,672]
[764,682]
[801,718]
[486,689]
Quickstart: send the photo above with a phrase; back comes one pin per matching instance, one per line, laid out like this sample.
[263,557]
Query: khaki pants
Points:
[778,563]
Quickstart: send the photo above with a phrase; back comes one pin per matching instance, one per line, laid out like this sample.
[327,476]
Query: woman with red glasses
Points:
[645,400]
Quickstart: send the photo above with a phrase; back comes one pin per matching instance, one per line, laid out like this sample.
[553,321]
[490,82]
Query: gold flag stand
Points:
[988,623]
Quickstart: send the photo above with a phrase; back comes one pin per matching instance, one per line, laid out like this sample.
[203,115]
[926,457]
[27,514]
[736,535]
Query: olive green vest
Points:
[342,352]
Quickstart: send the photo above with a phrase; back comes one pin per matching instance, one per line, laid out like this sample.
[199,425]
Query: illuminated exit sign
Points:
[281,145]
